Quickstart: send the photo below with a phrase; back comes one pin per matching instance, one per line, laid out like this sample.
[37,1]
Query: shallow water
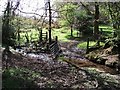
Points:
[72,55]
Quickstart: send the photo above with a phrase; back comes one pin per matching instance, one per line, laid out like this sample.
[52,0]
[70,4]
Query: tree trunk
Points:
[71,28]
[96,22]
[114,16]
[49,22]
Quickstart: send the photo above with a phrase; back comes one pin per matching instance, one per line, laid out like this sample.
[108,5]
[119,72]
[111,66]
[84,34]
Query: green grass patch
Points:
[60,33]
[107,30]
[105,26]
[83,45]
[63,34]
[32,34]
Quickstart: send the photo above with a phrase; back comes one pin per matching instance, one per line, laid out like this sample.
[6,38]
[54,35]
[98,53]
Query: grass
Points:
[105,27]
[33,32]
[83,45]
[62,33]
[107,30]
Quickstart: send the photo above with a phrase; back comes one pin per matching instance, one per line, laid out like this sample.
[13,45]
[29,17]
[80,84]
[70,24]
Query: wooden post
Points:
[87,46]
[71,30]
[46,36]
[18,37]
[27,37]
[101,31]
[56,39]
[49,22]
[47,47]
[98,42]
[40,35]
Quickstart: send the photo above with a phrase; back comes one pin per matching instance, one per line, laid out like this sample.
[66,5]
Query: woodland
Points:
[72,45]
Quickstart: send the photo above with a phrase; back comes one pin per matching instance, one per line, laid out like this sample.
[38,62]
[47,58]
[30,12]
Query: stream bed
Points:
[62,72]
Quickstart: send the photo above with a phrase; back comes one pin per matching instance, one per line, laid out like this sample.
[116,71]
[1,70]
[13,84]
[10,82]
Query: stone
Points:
[101,60]
[112,60]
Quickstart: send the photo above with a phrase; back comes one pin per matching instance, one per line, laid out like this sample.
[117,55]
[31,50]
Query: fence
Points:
[43,36]
[54,47]
[95,46]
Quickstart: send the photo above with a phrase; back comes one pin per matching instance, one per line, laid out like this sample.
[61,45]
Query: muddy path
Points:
[75,56]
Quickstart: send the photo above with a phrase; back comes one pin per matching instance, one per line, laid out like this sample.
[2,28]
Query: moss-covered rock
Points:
[105,57]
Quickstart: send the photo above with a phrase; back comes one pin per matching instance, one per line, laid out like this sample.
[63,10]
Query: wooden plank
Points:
[43,33]
[55,49]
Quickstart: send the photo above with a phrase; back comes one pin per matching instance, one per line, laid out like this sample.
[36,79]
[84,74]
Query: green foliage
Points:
[112,41]
[83,22]
[83,45]
[81,15]
[8,35]
[63,23]
[73,16]
[107,31]
[8,30]
[103,18]
[61,33]
[68,14]
[114,11]
[118,33]
[109,14]
[32,35]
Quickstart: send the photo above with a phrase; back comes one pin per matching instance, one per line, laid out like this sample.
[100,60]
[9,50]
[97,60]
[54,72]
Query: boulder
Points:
[102,59]
[112,60]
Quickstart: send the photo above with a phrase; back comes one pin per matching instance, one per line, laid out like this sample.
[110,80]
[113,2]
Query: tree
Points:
[83,22]
[68,15]
[96,21]
[114,12]
[113,15]
[77,15]
[8,30]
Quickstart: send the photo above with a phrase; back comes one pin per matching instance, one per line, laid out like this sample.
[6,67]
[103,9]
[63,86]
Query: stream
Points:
[73,54]
[71,69]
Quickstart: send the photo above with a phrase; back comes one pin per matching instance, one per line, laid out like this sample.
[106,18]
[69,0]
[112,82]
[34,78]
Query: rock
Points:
[105,58]
[112,60]
[92,56]
[101,59]
[108,50]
